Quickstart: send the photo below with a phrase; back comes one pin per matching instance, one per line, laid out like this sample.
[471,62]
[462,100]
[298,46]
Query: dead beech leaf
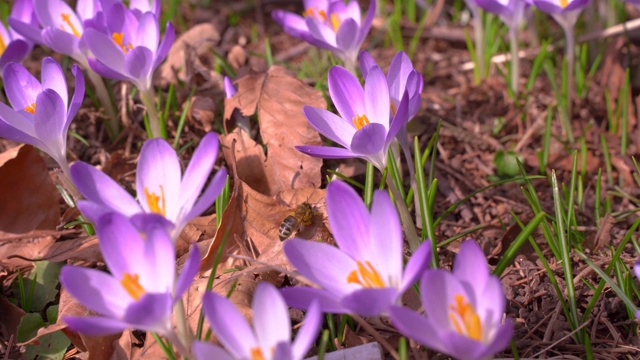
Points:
[19,252]
[279,98]
[29,197]
[11,316]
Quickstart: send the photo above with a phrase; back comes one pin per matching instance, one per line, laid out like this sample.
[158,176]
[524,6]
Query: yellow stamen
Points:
[118,38]
[393,108]
[359,121]
[3,45]
[66,18]
[366,276]
[321,14]
[31,108]
[131,283]
[564,3]
[256,354]
[335,21]
[154,201]
[471,325]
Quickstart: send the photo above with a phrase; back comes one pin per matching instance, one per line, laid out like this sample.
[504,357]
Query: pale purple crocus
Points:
[141,287]
[160,185]
[270,336]
[229,89]
[367,123]
[464,309]
[364,275]
[13,46]
[243,122]
[126,46]
[636,269]
[331,25]
[40,112]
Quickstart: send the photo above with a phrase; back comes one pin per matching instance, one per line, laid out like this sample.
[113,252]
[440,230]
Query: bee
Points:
[302,216]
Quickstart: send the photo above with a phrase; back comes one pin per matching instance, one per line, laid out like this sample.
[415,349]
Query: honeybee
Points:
[302,216]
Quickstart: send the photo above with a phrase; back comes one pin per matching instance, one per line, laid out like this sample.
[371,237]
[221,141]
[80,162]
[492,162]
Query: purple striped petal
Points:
[165,44]
[330,125]
[376,97]
[229,325]
[370,141]
[21,87]
[95,289]
[349,219]
[53,78]
[346,93]
[78,94]
[138,65]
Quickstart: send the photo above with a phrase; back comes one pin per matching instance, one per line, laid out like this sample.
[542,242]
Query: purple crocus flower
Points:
[560,6]
[229,89]
[270,337]
[464,309]
[14,47]
[636,269]
[40,112]
[366,274]
[511,12]
[331,25]
[141,287]
[367,123]
[127,46]
[160,186]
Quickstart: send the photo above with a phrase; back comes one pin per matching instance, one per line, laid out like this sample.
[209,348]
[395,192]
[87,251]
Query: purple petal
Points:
[61,41]
[16,51]
[197,172]
[159,172]
[330,125]
[326,152]
[53,78]
[305,297]
[461,347]
[189,271]
[152,312]
[311,259]
[470,266]
[399,120]
[101,190]
[416,266]
[494,7]
[138,65]
[106,72]
[117,237]
[370,140]
[95,325]
[416,327]
[376,97]
[282,351]
[349,219]
[271,322]
[78,94]
[370,302]
[165,44]
[366,62]
[490,304]
[229,325]
[321,31]
[87,9]
[398,74]
[366,24]
[308,332]
[21,87]
[438,289]
[49,121]
[95,289]
[17,127]
[229,89]
[385,247]
[105,50]
[209,196]
[636,268]
[292,24]
[345,39]
[500,341]
[157,271]
[346,93]
[207,351]
[148,32]
[30,32]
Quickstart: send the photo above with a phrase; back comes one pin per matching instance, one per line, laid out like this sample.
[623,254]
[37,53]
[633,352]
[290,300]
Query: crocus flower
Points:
[636,269]
[128,47]
[141,287]
[367,123]
[14,47]
[229,89]
[40,112]
[364,275]
[464,309]
[331,25]
[160,186]
[270,337]
[559,6]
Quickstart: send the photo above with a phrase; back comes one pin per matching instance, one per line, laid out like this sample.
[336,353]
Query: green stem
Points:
[478,30]
[515,60]
[147,96]
[405,217]
[105,99]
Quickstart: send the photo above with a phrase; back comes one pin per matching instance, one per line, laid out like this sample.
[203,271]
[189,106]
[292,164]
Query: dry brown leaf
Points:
[83,248]
[29,197]
[19,252]
[279,98]
[11,316]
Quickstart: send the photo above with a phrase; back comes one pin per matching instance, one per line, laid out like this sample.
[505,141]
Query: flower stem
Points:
[515,60]
[183,331]
[147,96]
[405,217]
[478,31]
[105,99]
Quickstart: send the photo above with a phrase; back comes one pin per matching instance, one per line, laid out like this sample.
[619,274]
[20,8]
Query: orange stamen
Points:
[131,283]
[335,21]
[366,276]
[118,38]
[154,201]
[256,354]
[393,108]
[564,3]
[321,14]
[359,121]
[464,318]
[3,45]
[66,18]
[31,108]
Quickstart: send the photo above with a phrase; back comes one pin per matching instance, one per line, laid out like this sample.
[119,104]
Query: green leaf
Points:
[46,283]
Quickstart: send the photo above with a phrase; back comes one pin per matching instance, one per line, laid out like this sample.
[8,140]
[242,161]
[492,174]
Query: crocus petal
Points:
[21,87]
[106,71]
[160,265]
[292,24]
[53,78]
[95,325]
[438,288]
[78,94]
[399,120]
[346,93]
[16,51]
[370,140]
[366,24]
[63,42]
[490,302]
[349,219]
[30,32]
[326,152]
[271,322]
[165,44]
[152,312]
[282,351]
[417,265]
[385,247]
[501,339]
[311,259]
[118,236]
[376,97]
[198,170]
[105,50]
[148,32]
[15,126]
[470,265]
[321,31]
[159,172]
[95,289]
[398,74]
[138,65]
[189,271]
[304,297]
[330,125]
[308,332]
[415,326]
[229,325]
[344,36]
[208,196]
[229,89]
[98,188]
[366,62]
[370,302]
[49,120]
[206,351]
[460,346]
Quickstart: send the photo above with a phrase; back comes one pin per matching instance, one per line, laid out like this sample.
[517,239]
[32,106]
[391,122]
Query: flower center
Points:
[31,108]
[314,12]
[131,283]
[393,108]
[335,22]
[564,3]
[464,318]
[367,276]
[66,18]
[359,121]
[156,203]
[256,354]
[118,38]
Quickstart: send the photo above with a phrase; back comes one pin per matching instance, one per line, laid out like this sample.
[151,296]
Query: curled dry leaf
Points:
[278,99]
